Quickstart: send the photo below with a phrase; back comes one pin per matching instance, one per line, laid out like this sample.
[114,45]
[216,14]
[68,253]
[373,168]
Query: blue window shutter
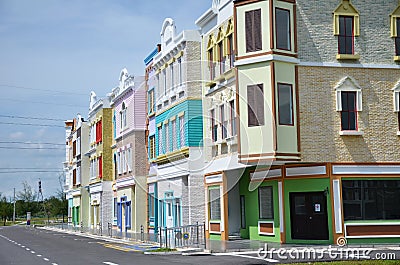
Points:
[119,215]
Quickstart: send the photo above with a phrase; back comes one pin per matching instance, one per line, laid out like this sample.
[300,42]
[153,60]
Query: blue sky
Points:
[52,54]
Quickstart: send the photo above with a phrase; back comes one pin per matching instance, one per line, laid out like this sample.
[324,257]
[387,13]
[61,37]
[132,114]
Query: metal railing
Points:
[167,237]
[182,236]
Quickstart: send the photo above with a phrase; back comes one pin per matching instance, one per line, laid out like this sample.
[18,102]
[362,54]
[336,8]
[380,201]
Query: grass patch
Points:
[353,262]
[162,250]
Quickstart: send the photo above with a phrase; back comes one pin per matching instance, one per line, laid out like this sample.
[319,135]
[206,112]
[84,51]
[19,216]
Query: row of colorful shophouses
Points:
[274,120]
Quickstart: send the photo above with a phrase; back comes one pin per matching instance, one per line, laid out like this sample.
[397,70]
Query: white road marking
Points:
[22,246]
[19,244]
[46,259]
[109,263]
[39,255]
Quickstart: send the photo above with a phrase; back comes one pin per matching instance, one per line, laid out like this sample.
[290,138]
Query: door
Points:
[169,214]
[308,214]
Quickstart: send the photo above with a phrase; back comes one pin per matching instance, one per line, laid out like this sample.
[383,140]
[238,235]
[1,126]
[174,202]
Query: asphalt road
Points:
[20,245]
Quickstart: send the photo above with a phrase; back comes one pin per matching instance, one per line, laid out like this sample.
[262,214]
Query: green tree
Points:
[6,209]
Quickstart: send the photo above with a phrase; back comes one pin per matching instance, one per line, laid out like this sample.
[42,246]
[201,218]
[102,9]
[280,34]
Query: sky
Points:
[52,54]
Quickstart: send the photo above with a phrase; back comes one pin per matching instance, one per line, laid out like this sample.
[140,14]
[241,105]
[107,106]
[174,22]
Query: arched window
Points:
[123,116]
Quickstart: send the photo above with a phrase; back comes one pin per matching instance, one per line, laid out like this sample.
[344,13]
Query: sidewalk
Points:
[216,246]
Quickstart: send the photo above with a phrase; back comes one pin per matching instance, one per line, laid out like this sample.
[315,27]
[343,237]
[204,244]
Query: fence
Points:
[167,237]
[182,236]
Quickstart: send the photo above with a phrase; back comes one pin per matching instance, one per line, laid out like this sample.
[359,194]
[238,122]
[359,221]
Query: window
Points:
[349,111]
[174,138]
[214,126]
[182,140]
[214,203]
[283,40]
[172,75]
[349,103]
[285,104]
[100,164]
[231,52]
[221,57]
[255,105]
[99,130]
[232,117]
[73,149]
[119,163]
[346,25]
[265,203]
[78,146]
[346,37]
[115,208]
[224,123]
[395,30]
[152,147]
[151,101]
[253,30]
[129,158]
[167,145]
[180,70]
[164,81]
[74,177]
[371,199]
[211,64]
[123,116]
[160,140]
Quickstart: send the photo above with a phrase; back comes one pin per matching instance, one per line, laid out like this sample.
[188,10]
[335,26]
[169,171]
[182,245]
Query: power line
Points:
[41,102]
[31,124]
[31,171]
[18,142]
[30,118]
[41,89]
[33,148]
[26,168]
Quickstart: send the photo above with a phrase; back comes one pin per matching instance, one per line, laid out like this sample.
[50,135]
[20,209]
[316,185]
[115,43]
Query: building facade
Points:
[312,80]
[152,195]
[222,169]
[179,126]
[100,156]
[129,156]
[77,177]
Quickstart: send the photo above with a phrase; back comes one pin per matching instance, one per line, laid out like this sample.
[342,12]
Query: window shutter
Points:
[252,120]
[119,213]
[356,25]
[249,31]
[336,24]
[393,26]
[359,100]
[338,100]
[257,30]
[396,98]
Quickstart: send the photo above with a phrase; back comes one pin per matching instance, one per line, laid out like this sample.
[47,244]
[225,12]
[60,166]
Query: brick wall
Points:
[317,43]
[320,122]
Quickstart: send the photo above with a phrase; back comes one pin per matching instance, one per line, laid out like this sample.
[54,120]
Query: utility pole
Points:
[14,208]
